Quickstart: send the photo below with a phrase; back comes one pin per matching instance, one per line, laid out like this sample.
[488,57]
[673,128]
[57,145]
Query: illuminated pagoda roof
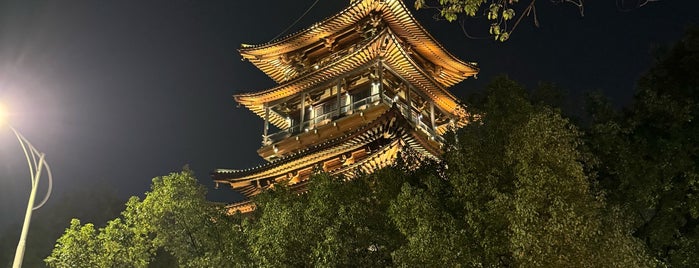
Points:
[395,56]
[270,57]
[353,91]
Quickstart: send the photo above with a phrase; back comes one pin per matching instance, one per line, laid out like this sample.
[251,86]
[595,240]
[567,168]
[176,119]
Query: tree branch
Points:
[526,12]
[463,29]
[577,3]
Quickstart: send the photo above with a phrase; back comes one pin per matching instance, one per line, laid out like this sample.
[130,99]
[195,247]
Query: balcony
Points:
[411,113]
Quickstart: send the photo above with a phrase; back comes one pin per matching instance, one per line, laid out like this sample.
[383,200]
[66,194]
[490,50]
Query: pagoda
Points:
[353,91]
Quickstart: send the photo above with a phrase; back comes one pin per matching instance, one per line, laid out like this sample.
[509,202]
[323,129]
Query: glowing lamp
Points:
[4,114]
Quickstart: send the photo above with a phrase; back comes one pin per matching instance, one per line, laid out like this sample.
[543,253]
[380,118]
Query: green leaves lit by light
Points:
[493,11]
[335,224]
[173,218]
[76,248]
[508,14]
[499,13]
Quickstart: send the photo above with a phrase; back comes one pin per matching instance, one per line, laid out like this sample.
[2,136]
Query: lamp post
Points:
[35,168]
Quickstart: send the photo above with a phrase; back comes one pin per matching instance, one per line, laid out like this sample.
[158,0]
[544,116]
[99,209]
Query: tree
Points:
[195,231]
[518,189]
[76,248]
[649,155]
[49,223]
[514,193]
[174,217]
[336,223]
[426,214]
[116,245]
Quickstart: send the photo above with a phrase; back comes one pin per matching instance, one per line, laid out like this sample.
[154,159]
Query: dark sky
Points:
[117,92]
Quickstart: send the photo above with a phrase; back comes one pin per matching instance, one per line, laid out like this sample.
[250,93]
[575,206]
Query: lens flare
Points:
[4,114]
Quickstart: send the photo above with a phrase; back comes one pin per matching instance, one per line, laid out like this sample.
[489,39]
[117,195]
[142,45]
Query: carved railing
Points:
[411,113]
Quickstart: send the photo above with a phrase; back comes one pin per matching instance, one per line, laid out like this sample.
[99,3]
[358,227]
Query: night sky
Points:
[118,92]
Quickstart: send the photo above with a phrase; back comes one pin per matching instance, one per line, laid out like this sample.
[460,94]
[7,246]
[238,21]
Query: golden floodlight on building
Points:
[353,91]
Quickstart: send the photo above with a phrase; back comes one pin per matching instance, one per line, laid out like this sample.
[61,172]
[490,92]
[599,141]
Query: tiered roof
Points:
[384,45]
[397,45]
[380,33]
[394,12]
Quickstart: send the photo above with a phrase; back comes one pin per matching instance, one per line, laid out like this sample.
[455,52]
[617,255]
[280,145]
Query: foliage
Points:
[335,224]
[499,13]
[193,230]
[503,16]
[49,222]
[649,155]
[76,248]
[522,187]
[174,217]
[514,193]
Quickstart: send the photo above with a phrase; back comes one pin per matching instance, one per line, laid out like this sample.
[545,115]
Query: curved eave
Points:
[274,118]
[403,23]
[394,13]
[313,154]
[255,100]
[391,120]
[383,157]
[265,56]
[243,207]
[398,59]
[362,55]
[394,56]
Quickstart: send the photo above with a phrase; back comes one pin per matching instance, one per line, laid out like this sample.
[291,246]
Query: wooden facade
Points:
[353,91]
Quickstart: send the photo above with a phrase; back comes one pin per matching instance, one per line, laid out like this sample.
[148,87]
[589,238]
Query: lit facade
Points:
[353,91]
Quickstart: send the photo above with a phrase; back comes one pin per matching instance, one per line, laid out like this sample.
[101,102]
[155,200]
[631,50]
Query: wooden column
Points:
[432,116]
[379,70]
[303,110]
[407,97]
[265,137]
[349,97]
[339,97]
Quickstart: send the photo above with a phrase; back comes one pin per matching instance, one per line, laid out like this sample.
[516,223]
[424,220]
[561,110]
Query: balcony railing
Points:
[413,115]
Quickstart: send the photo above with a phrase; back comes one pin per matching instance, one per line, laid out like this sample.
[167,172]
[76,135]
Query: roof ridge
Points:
[299,32]
[367,43]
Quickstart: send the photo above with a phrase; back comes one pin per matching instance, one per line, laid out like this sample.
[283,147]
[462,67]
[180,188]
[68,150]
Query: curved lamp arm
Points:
[30,155]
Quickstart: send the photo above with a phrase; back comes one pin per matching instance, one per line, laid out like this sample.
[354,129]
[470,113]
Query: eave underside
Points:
[367,149]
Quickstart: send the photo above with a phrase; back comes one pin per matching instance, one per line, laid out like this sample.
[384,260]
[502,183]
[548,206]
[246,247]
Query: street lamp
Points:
[35,168]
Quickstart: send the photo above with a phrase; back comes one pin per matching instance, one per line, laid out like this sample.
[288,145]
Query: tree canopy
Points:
[648,155]
[521,186]
[174,220]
